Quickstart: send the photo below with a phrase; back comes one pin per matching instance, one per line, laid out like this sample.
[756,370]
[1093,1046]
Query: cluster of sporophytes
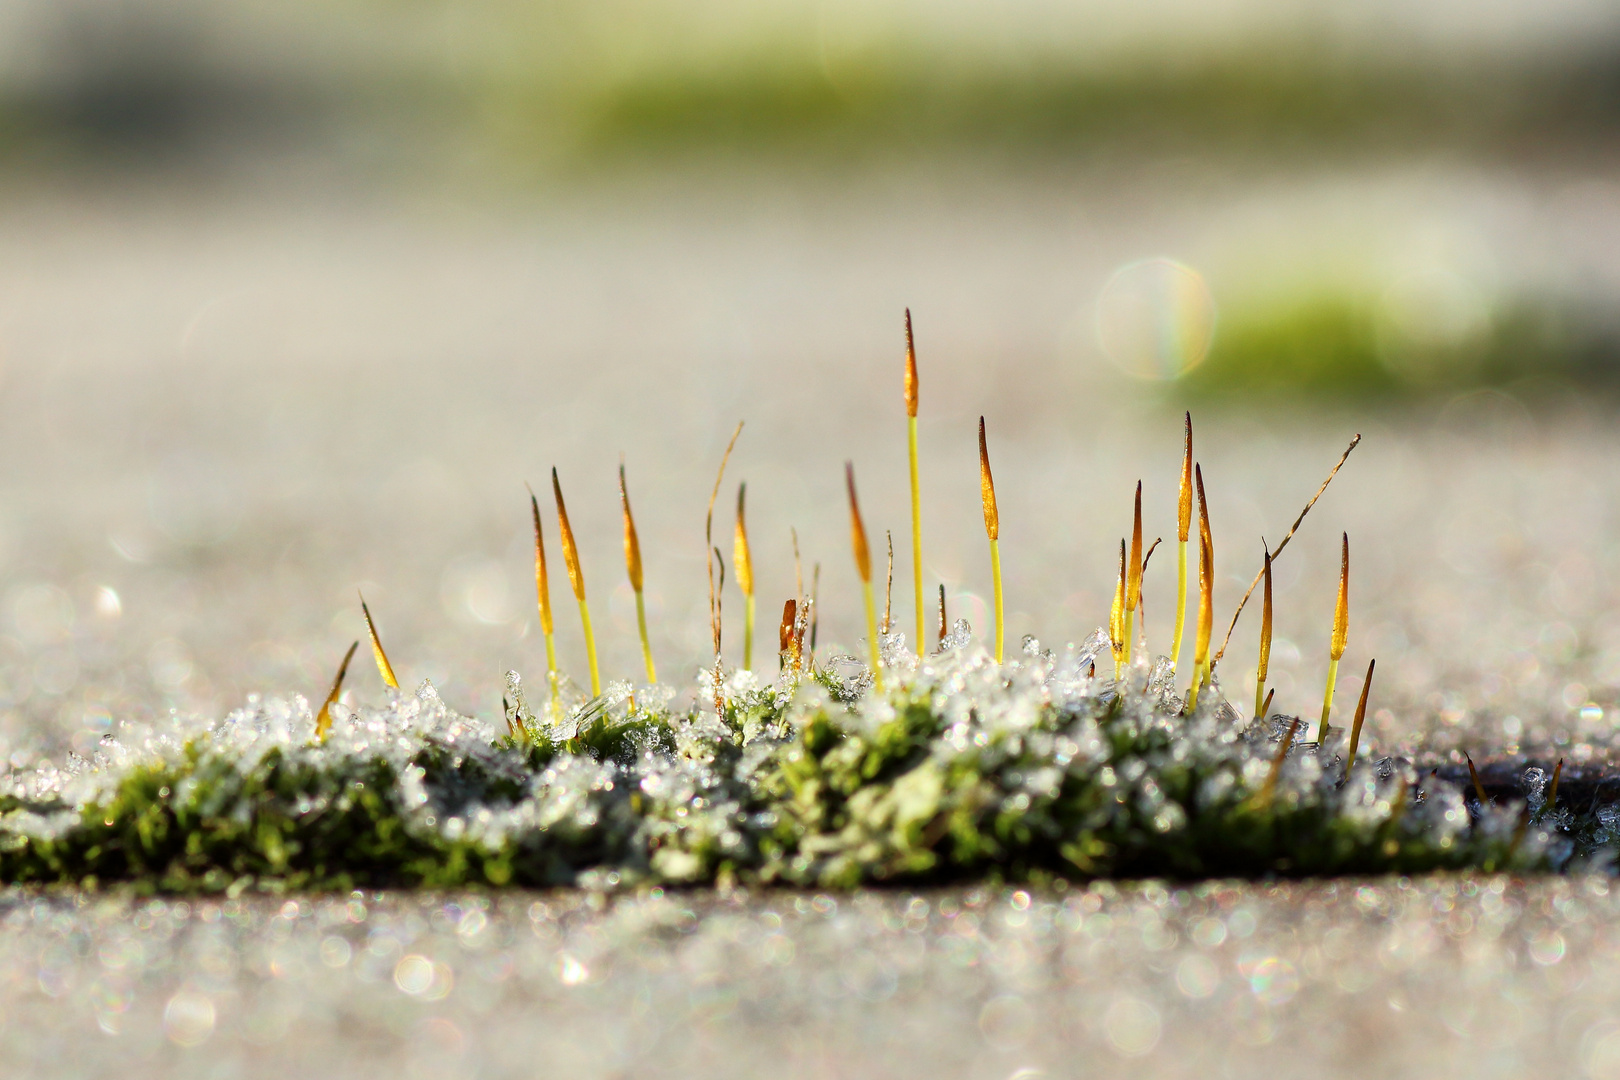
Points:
[921,763]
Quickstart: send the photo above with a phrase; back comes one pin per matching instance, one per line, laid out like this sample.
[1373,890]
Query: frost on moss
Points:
[964,769]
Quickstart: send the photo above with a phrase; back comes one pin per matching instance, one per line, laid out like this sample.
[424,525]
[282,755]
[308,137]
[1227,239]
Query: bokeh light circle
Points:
[1156,319]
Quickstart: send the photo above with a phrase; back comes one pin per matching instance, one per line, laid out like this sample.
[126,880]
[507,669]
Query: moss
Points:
[1026,772]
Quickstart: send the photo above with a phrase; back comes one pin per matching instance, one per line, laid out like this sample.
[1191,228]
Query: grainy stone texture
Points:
[1487,976]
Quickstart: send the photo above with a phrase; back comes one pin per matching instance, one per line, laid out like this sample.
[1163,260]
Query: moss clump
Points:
[964,769]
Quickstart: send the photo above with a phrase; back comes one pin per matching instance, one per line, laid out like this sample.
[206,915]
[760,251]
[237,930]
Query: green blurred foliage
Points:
[902,97]
[1340,346]
[556,80]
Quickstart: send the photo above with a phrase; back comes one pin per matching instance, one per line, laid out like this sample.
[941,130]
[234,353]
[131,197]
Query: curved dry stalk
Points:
[1264,666]
[1141,609]
[323,719]
[1291,530]
[888,586]
[1133,582]
[384,668]
[708,545]
[1147,557]
[719,672]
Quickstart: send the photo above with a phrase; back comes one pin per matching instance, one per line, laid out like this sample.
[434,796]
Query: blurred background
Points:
[295,298]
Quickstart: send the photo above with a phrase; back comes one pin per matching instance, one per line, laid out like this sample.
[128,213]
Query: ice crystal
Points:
[1043,766]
